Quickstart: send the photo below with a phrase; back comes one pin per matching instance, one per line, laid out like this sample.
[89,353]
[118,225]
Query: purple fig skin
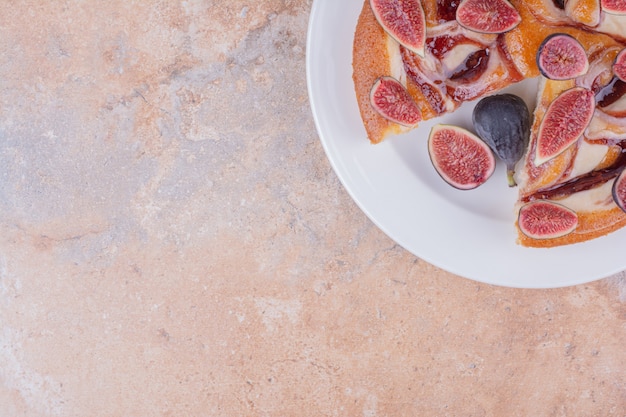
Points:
[487,16]
[461,158]
[503,121]
[562,57]
[564,122]
[542,219]
[619,66]
[617,7]
[391,100]
[404,21]
[619,190]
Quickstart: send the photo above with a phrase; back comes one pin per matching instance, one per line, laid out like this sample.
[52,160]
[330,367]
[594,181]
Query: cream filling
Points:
[598,198]
[395,60]
[588,157]
[605,126]
[612,24]
[457,56]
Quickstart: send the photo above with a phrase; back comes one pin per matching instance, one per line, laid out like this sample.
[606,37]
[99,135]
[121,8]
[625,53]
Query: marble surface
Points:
[174,242]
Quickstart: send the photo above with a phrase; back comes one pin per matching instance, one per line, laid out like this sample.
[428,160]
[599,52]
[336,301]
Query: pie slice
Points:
[581,177]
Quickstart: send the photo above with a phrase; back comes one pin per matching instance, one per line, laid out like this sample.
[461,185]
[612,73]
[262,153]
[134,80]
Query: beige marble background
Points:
[174,242]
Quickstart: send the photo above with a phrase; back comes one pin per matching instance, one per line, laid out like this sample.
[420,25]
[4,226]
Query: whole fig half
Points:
[542,219]
[503,122]
[461,158]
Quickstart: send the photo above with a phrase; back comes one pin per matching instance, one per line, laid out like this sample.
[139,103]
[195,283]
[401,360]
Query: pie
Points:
[461,65]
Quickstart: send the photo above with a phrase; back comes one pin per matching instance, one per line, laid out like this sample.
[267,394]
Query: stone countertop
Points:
[174,242]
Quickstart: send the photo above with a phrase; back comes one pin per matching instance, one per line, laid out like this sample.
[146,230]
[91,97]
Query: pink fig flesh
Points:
[487,16]
[403,20]
[619,190]
[613,6]
[619,66]
[461,158]
[392,101]
[542,219]
[562,57]
[564,122]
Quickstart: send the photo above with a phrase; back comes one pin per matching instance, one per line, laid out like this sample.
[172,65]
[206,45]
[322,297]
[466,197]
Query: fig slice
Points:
[619,190]
[564,122]
[561,57]
[613,6]
[461,158]
[487,16]
[543,219]
[391,100]
[619,65]
[404,21]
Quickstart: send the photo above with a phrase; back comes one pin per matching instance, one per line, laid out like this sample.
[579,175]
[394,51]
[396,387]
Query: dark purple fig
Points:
[542,219]
[487,16]
[564,122]
[392,101]
[562,57]
[619,190]
[503,122]
[461,158]
[613,6]
[619,66]
[403,20]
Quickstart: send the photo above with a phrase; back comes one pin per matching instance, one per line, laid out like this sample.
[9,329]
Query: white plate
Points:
[468,233]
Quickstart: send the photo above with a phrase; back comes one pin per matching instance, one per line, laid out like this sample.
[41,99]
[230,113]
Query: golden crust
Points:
[370,60]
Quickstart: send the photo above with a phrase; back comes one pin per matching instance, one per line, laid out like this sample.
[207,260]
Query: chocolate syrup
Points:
[473,67]
[610,93]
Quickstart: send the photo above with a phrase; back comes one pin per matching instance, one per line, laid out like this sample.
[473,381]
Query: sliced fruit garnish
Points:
[392,101]
[461,158]
[541,219]
[564,122]
[487,16]
[562,57]
[403,20]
